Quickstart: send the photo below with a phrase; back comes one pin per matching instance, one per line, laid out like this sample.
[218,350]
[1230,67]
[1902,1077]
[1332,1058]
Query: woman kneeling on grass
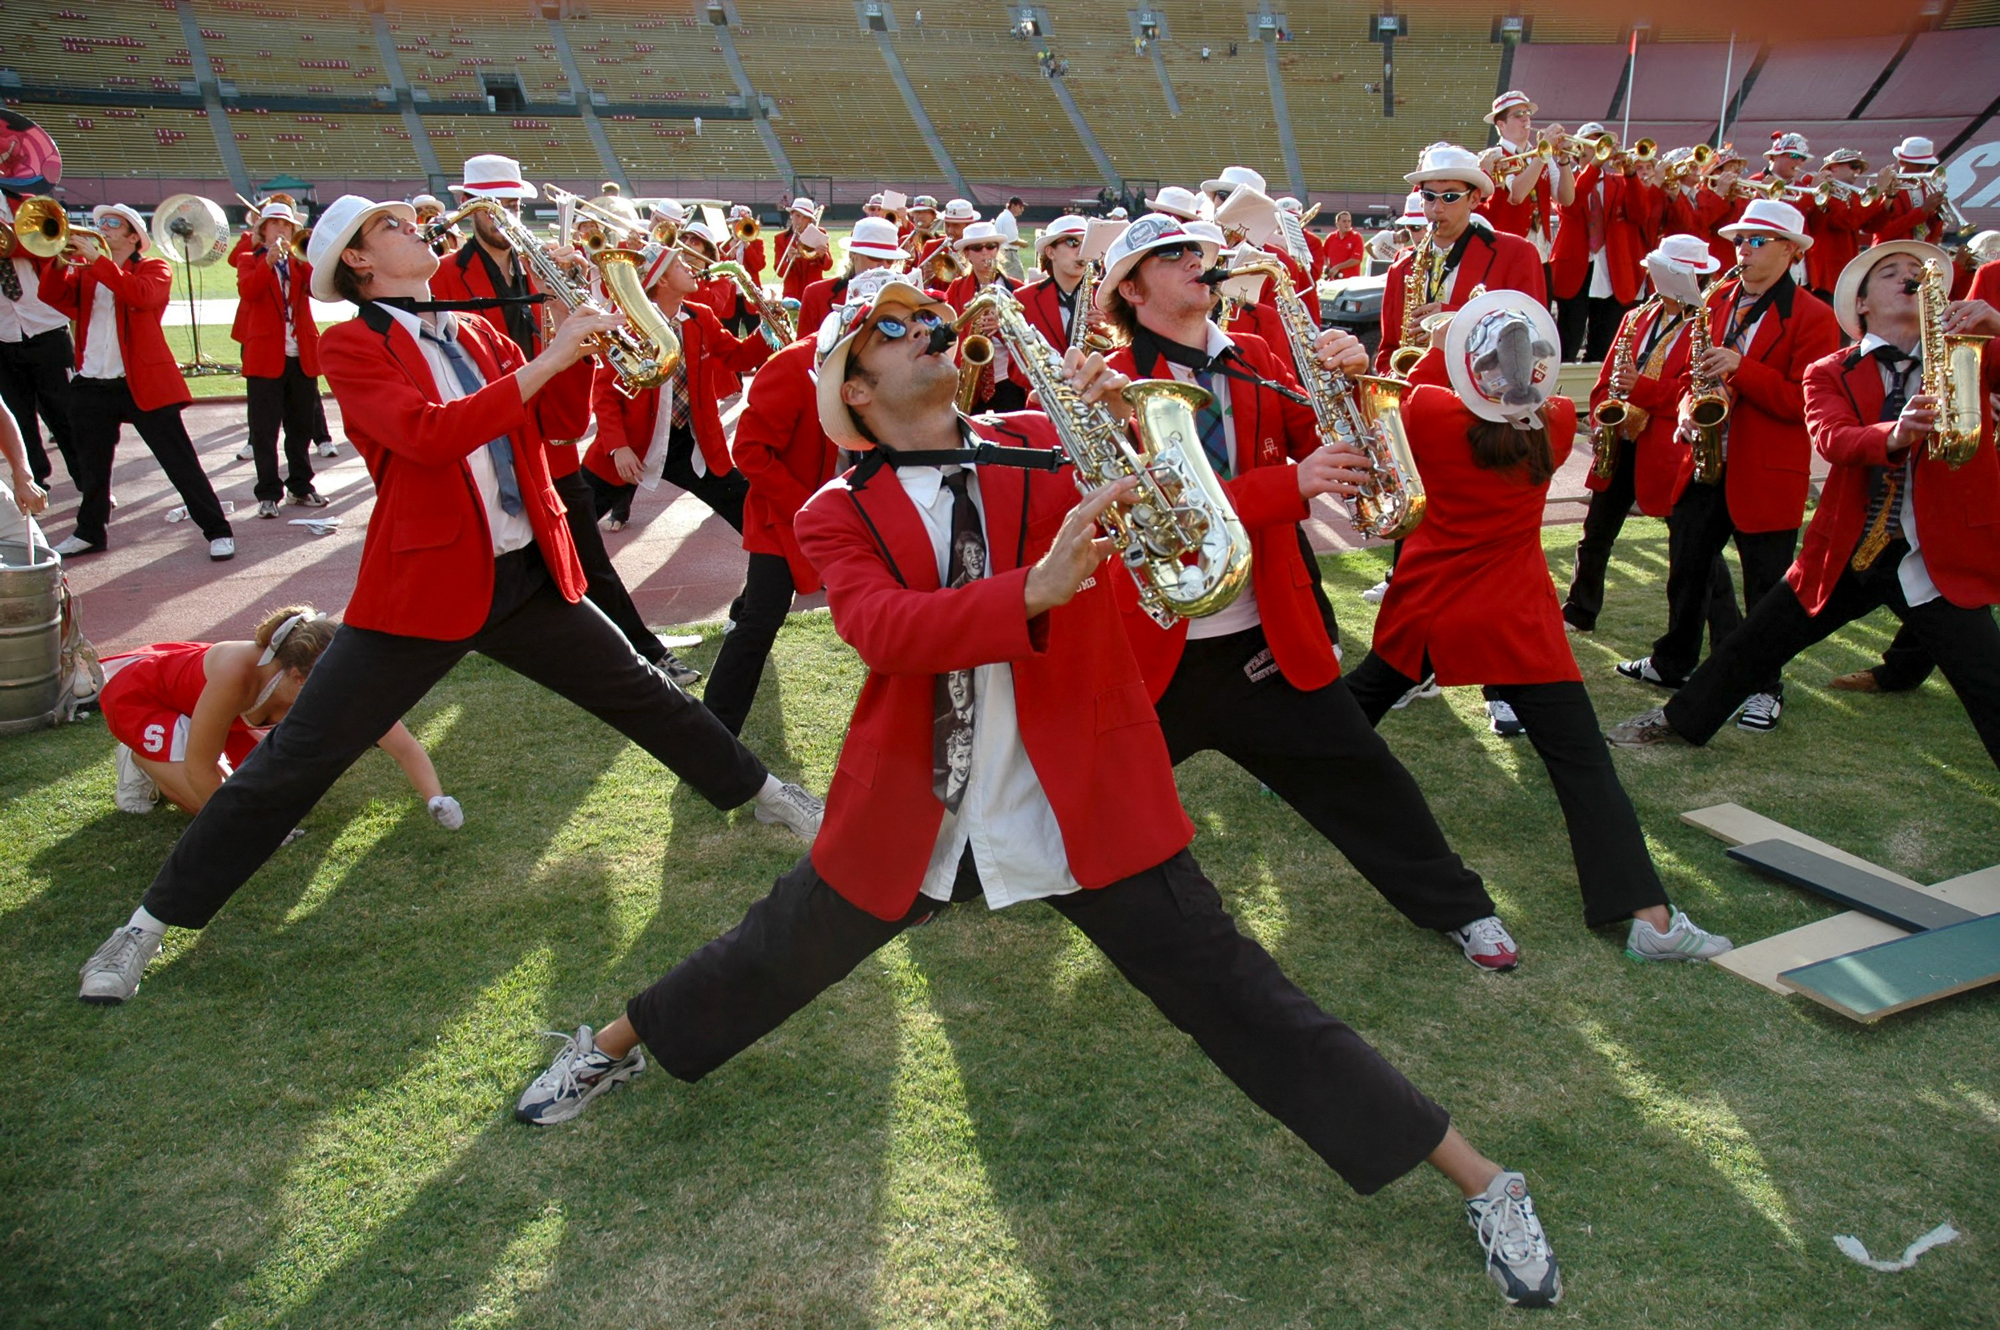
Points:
[186,714]
[1472,600]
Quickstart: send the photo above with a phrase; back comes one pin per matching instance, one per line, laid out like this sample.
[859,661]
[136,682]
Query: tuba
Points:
[1614,417]
[1951,372]
[1365,418]
[1706,402]
[1186,549]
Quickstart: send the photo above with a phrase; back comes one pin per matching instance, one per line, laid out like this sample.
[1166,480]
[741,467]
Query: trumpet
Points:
[300,239]
[1833,187]
[43,230]
[1934,182]
[1544,152]
[1600,149]
[744,229]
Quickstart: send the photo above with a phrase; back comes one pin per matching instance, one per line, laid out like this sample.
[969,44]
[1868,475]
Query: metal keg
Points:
[30,636]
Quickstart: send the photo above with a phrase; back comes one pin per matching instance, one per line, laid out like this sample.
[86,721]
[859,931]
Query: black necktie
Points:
[1885,483]
[951,733]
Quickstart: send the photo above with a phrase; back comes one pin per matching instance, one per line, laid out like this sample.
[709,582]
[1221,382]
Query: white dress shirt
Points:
[29,316]
[1004,815]
[102,356]
[1915,576]
[1240,614]
[511,531]
[654,464]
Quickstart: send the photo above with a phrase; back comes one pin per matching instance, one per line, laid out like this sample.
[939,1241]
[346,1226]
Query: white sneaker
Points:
[1682,941]
[136,791]
[1760,714]
[1487,943]
[789,805]
[328,448]
[221,548]
[112,973]
[1518,1256]
[246,454]
[75,545]
[1428,688]
[267,507]
[1500,718]
[578,1075]
[1373,595]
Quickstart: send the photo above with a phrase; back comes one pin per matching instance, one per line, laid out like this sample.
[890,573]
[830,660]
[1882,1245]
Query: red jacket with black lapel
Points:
[1958,512]
[1769,456]
[1495,261]
[818,302]
[785,455]
[802,271]
[1271,433]
[260,315]
[427,562]
[1665,464]
[141,289]
[715,361]
[1042,302]
[1085,717]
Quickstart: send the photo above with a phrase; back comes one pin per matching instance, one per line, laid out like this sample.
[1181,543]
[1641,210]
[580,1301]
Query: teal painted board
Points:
[1893,976]
[1857,889]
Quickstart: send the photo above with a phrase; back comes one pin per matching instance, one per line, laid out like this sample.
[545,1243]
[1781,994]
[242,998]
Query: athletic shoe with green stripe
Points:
[1683,941]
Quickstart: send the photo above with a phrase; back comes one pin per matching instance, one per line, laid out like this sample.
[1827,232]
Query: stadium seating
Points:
[1817,80]
[670,156]
[845,118]
[114,141]
[639,51]
[323,145]
[990,103]
[265,47]
[445,52]
[95,44]
[548,148]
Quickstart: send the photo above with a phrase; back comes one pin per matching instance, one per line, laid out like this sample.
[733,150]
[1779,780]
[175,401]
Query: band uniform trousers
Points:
[759,613]
[606,589]
[1696,534]
[1905,663]
[1167,932]
[366,680]
[724,493]
[1965,643]
[97,409]
[1602,521]
[34,382]
[1317,752]
[1614,869]
[286,401]
[1588,325]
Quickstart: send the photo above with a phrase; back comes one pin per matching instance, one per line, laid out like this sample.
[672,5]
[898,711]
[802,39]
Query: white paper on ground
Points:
[319,526]
[1937,1237]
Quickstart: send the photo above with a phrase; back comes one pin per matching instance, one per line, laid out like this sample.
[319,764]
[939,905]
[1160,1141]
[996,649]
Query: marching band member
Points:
[1000,387]
[187,714]
[1314,245]
[1472,602]
[1340,251]
[741,318]
[1050,303]
[1720,201]
[1836,228]
[814,255]
[1007,222]
[1786,160]
[1260,681]
[1894,526]
[1653,466]
[1451,185]
[1526,204]
[674,432]
[979,761]
[280,342]
[467,552]
[871,245]
[957,215]
[1594,266]
[429,208]
[36,355]
[126,374]
[919,226]
[718,293]
[1221,189]
[1910,208]
[875,207]
[1765,331]
[1254,315]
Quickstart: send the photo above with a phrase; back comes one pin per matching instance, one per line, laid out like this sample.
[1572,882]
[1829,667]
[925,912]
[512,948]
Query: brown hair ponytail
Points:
[1498,446]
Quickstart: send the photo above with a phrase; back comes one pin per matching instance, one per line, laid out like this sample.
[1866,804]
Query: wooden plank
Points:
[1859,889]
[1737,825]
[1894,976]
[1823,939]
[1978,891]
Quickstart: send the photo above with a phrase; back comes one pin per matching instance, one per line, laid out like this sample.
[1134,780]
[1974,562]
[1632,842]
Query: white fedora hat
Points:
[1506,102]
[960,210]
[1069,224]
[1504,355]
[1413,211]
[1151,231]
[1769,217]
[875,237]
[1686,251]
[1185,204]
[338,226]
[1917,151]
[277,212]
[489,175]
[804,205]
[1847,288]
[896,293]
[1448,161]
[1231,178]
[979,233]
[129,216]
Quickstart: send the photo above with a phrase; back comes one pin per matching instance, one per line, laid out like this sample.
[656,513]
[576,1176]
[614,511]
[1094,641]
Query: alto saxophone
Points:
[1081,333]
[1615,416]
[1426,266]
[778,320]
[1706,402]
[1951,372]
[1364,418]
[1178,534]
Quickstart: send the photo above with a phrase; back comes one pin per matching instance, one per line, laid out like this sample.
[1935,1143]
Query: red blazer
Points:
[1986,284]
[720,295]
[1497,262]
[141,289]
[1569,261]
[1517,219]
[1679,216]
[715,362]
[1472,587]
[958,295]
[1261,320]
[1086,721]
[1664,464]
[1770,458]
[804,271]
[1836,237]
[1344,249]
[750,254]
[818,302]
[427,561]
[1271,433]
[1302,281]
[461,276]
[1712,212]
[786,457]
[1902,216]
[1958,512]
[1042,302]
[260,315]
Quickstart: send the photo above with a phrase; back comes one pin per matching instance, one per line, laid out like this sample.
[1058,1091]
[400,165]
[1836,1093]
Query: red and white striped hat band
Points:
[494,176]
[1770,217]
[1506,102]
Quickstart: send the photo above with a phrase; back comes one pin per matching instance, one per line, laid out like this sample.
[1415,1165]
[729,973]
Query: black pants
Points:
[606,590]
[1696,534]
[288,400]
[1906,664]
[1008,395]
[1613,866]
[34,382]
[1317,752]
[97,409]
[759,613]
[1167,932]
[1602,522]
[1965,643]
[366,680]
[722,493]
[320,432]
[1587,324]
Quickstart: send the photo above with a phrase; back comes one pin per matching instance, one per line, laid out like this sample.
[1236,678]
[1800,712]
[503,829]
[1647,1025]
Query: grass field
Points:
[303,1119]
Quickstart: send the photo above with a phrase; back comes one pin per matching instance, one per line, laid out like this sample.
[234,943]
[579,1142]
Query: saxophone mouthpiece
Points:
[941,339]
[1911,286]
[1215,276]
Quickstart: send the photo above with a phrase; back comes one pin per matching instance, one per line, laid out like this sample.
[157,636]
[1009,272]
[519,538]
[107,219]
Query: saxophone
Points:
[1365,418]
[777,319]
[1614,416]
[1706,402]
[1178,535]
[1951,372]
[1081,333]
[1426,266]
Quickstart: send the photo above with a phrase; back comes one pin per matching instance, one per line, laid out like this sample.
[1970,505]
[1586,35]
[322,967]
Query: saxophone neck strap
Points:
[1149,348]
[411,306]
[977,452]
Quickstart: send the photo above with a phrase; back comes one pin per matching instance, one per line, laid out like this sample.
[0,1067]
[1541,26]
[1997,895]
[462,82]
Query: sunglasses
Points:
[1067,242]
[1172,253]
[1443,196]
[983,248]
[112,222]
[1755,242]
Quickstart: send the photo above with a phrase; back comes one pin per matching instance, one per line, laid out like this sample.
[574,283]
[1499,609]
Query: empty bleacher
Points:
[989,101]
[328,144]
[670,150]
[128,141]
[259,46]
[1570,83]
[445,52]
[94,44]
[640,51]
[548,147]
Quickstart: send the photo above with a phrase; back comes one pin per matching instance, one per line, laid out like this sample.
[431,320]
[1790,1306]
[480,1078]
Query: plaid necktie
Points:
[677,390]
[1885,483]
[501,450]
[10,280]
[951,732]
[1208,422]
